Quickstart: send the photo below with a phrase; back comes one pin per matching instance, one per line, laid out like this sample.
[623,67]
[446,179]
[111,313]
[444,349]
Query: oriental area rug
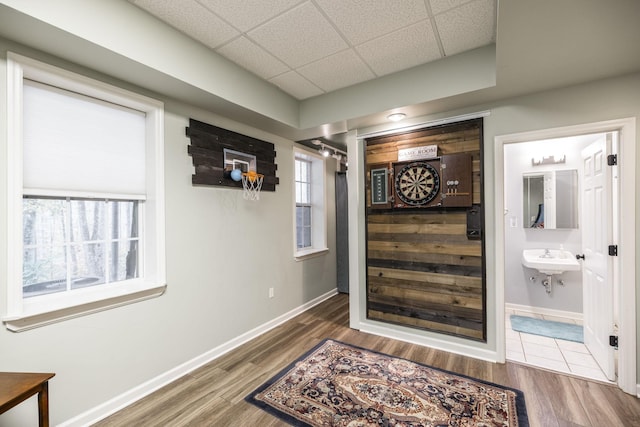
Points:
[337,384]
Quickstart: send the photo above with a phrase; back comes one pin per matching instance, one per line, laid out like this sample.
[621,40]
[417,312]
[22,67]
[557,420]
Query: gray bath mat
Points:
[547,328]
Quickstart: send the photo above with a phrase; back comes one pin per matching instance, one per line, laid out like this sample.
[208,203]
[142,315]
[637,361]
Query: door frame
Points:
[625,271]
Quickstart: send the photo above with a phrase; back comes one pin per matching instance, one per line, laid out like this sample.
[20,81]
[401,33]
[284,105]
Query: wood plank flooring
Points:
[213,394]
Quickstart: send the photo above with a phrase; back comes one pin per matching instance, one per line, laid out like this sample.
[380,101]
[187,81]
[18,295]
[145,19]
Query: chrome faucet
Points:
[547,254]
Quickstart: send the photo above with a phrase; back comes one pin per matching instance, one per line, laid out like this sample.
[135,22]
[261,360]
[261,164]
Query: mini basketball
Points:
[236,174]
[252,175]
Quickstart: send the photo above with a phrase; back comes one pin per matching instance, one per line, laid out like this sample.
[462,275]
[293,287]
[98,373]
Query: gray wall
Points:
[223,254]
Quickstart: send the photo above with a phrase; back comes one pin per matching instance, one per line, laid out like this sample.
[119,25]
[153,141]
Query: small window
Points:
[303,203]
[310,216]
[86,196]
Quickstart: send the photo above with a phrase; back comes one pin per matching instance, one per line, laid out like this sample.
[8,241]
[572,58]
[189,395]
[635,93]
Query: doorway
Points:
[623,267]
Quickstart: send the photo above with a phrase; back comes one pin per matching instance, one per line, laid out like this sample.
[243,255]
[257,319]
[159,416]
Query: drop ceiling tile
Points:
[401,49]
[299,36]
[467,27]
[360,21]
[296,85]
[191,18]
[439,6]
[247,14]
[252,57]
[337,71]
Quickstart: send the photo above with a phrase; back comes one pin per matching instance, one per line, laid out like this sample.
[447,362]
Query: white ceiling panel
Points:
[439,6]
[467,27]
[402,49]
[293,83]
[360,21]
[337,71]
[299,36]
[247,14]
[192,18]
[307,40]
[250,56]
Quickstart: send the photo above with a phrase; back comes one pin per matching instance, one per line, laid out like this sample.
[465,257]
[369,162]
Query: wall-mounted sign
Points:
[379,189]
[417,153]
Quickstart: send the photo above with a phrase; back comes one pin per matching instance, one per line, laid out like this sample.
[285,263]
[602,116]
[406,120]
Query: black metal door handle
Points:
[580,256]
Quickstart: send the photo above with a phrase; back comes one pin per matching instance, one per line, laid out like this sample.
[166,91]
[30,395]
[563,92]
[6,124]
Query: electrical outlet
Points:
[271,294]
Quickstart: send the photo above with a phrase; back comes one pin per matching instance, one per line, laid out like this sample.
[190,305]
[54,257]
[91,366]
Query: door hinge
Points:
[613,341]
[613,250]
[612,159]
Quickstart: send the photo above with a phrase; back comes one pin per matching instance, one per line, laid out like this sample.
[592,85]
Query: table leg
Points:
[43,405]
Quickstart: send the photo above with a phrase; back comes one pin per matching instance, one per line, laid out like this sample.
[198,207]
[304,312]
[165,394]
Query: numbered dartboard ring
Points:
[417,183]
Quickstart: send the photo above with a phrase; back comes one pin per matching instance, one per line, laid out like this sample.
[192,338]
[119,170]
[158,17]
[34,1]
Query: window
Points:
[86,196]
[310,233]
[70,244]
[303,203]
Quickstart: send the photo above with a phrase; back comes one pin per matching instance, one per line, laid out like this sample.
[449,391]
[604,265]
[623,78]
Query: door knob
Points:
[580,256]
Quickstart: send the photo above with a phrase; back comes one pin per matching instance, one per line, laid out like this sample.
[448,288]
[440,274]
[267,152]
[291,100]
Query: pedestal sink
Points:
[550,261]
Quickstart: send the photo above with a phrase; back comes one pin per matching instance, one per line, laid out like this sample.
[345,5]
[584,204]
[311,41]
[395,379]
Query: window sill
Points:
[32,318]
[310,253]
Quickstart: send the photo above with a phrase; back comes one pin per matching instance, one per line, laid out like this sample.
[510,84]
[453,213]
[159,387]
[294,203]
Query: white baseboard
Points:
[431,342]
[544,311]
[112,406]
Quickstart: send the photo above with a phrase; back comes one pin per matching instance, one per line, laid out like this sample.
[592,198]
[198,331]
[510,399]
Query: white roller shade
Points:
[74,143]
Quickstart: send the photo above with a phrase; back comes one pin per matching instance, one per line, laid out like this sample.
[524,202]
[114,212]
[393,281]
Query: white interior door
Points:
[597,269]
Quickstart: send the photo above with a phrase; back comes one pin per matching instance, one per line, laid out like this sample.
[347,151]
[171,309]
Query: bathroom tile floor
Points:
[557,355]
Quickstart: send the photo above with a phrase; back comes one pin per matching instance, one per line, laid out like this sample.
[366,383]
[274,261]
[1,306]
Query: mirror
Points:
[550,199]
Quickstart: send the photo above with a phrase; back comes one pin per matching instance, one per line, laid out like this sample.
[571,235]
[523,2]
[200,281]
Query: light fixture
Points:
[324,151]
[549,160]
[396,117]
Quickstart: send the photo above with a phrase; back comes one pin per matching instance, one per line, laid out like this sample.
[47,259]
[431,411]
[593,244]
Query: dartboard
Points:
[417,183]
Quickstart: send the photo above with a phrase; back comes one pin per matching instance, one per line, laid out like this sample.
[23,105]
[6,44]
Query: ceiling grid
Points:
[309,48]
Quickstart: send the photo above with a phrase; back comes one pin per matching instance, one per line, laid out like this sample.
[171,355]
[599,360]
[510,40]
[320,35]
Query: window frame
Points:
[26,313]
[318,206]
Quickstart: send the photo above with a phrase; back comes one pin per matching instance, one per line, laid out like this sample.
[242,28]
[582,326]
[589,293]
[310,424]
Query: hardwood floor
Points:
[213,395]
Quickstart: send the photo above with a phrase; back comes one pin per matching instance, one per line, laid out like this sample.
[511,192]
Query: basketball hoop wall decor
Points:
[225,158]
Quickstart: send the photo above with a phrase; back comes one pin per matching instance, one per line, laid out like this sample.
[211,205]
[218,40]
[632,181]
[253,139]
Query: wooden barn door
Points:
[425,229]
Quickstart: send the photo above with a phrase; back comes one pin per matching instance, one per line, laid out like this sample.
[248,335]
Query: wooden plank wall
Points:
[422,269]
